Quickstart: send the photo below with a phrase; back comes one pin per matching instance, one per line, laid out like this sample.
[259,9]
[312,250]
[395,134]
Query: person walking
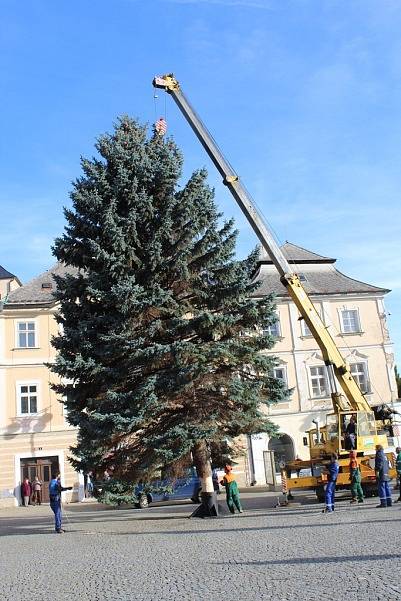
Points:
[381,469]
[26,491]
[37,491]
[89,486]
[215,479]
[355,478]
[232,492]
[55,490]
[332,473]
[398,468]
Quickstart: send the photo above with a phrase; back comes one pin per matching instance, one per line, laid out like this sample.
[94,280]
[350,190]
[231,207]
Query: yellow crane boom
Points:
[337,368]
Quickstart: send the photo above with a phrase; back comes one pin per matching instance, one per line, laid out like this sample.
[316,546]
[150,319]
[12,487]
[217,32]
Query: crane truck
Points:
[347,398]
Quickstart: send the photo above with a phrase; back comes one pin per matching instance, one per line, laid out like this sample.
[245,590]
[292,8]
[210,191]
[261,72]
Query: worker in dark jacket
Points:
[398,468]
[383,479]
[55,490]
[350,434]
[332,472]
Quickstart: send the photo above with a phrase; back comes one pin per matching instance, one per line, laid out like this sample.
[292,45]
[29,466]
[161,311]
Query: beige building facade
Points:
[34,434]
[355,315]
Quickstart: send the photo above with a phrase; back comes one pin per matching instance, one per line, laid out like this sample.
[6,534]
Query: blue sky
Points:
[303,97]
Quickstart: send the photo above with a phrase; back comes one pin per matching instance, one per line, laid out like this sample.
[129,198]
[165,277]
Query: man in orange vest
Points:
[232,492]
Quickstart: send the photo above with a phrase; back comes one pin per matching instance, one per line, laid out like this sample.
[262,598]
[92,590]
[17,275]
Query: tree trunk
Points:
[201,457]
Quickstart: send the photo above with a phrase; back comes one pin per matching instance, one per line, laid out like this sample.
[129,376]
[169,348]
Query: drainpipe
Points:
[251,461]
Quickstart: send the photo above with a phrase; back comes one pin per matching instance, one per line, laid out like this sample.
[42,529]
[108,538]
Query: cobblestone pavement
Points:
[285,554]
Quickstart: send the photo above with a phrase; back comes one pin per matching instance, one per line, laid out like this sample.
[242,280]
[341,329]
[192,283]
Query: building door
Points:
[270,469]
[42,467]
[283,447]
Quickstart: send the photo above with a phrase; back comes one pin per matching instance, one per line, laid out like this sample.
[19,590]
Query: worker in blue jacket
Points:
[55,490]
[382,477]
[332,472]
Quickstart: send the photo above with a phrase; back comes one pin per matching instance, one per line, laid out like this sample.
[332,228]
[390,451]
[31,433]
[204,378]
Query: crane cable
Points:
[325,317]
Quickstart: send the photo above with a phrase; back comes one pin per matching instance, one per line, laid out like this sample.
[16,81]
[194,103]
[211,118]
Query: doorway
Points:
[283,447]
[43,468]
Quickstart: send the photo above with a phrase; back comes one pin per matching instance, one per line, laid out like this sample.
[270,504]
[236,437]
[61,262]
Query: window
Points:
[305,331]
[319,383]
[360,374]
[305,328]
[273,330]
[280,373]
[27,399]
[350,321]
[26,334]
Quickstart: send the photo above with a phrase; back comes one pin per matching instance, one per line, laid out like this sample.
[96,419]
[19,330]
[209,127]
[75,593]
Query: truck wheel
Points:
[369,491]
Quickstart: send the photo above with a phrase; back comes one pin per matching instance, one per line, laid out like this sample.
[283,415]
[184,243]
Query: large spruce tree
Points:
[161,346]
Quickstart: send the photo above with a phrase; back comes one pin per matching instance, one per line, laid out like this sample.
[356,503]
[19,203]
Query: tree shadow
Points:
[242,530]
[78,517]
[40,531]
[312,560]
[32,426]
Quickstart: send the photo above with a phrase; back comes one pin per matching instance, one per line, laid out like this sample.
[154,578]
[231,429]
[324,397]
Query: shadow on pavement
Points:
[312,560]
[242,530]
[71,527]
[80,517]
[46,526]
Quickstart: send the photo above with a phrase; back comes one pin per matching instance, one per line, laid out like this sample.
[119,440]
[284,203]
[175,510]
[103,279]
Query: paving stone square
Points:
[278,554]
